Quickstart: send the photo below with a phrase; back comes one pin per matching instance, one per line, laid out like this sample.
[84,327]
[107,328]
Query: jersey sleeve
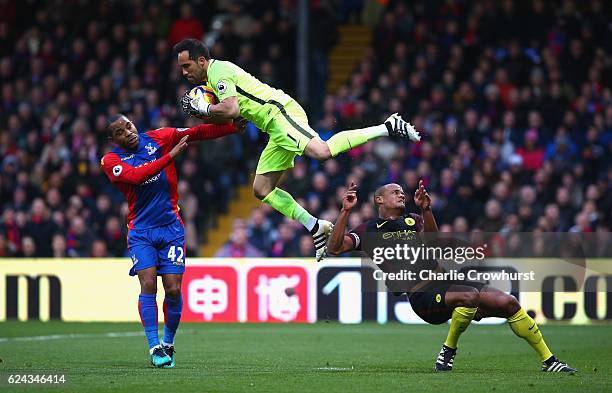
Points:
[169,137]
[420,225]
[165,137]
[118,171]
[222,80]
[357,234]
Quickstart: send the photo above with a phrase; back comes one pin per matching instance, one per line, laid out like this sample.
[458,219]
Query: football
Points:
[206,92]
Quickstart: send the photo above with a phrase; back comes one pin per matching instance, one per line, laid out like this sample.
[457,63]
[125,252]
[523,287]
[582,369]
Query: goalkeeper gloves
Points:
[196,107]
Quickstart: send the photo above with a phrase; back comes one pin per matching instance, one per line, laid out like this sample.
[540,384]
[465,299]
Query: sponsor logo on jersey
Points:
[151,149]
[152,180]
[400,235]
[117,169]
[127,157]
[182,129]
[378,226]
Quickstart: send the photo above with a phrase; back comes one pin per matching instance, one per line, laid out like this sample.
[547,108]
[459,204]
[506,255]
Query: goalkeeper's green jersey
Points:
[259,103]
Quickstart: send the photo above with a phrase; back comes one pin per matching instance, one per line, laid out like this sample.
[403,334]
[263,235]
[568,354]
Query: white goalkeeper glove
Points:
[196,107]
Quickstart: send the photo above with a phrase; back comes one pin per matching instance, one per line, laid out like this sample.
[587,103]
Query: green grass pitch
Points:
[322,358]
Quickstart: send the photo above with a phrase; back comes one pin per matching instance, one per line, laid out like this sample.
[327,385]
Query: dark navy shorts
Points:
[163,247]
[428,302]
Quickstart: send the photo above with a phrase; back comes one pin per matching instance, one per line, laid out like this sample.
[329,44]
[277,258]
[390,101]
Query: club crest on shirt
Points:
[150,148]
[410,221]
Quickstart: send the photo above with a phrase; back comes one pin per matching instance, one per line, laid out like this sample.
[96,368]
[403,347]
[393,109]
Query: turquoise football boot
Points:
[159,357]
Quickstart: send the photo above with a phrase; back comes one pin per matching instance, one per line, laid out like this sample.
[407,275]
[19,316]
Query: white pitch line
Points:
[335,368]
[71,335]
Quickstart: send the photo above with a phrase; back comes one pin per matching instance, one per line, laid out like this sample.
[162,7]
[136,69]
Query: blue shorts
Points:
[163,247]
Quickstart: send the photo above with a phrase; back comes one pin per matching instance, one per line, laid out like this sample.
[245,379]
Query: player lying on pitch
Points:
[273,112]
[141,166]
[437,301]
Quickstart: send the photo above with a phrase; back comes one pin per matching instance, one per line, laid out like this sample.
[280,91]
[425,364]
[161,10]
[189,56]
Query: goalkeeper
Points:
[280,116]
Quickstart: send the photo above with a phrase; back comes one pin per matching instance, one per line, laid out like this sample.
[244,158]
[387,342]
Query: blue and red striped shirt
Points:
[147,176]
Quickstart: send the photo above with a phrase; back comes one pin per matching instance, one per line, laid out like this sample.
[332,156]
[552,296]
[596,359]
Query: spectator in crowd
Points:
[187,26]
[238,246]
[99,249]
[58,245]
[29,247]
[306,247]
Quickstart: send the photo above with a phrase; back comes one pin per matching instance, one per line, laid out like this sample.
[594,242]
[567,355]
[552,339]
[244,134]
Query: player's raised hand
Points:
[179,147]
[350,198]
[421,197]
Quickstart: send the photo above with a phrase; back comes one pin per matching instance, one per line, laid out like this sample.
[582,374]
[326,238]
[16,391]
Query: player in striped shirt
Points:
[141,166]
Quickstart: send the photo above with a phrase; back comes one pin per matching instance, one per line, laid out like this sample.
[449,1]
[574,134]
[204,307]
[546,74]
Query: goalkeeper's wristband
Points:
[206,110]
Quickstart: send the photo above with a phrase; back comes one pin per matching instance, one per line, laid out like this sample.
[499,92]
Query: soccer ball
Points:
[206,92]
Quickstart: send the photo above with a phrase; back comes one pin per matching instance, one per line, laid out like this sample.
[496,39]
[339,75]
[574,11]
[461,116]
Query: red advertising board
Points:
[277,294]
[210,294]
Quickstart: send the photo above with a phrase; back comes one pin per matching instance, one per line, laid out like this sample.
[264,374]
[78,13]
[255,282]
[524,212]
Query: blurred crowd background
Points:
[513,99]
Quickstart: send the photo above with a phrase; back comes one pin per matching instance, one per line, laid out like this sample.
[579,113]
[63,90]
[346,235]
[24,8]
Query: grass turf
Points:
[324,357]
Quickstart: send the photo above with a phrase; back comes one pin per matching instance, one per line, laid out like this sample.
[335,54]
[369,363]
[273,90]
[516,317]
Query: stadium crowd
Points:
[514,100]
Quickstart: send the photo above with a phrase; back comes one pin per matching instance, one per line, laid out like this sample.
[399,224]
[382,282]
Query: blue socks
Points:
[173,307]
[147,307]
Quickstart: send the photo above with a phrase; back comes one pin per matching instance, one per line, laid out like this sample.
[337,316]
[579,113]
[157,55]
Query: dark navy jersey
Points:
[388,233]
[398,229]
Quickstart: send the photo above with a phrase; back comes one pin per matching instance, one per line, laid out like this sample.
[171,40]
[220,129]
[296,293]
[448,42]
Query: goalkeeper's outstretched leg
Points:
[278,157]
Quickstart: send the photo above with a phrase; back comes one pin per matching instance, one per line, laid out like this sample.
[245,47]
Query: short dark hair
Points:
[110,120]
[379,191]
[195,48]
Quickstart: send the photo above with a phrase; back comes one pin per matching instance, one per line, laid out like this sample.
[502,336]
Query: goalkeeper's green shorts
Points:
[289,134]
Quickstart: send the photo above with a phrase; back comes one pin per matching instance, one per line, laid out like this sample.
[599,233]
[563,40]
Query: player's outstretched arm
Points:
[206,131]
[119,172]
[226,109]
[339,241]
[423,201]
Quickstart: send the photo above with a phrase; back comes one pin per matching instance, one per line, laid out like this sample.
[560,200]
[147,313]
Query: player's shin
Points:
[284,203]
[525,327]
[173,308]
[346,140]
[461,319]
[147,307]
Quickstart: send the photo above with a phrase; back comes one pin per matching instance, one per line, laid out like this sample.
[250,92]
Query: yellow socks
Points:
[462,316]
[525,327]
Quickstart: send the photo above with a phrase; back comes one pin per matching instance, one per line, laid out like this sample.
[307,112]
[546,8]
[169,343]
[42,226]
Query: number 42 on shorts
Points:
[176,254]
